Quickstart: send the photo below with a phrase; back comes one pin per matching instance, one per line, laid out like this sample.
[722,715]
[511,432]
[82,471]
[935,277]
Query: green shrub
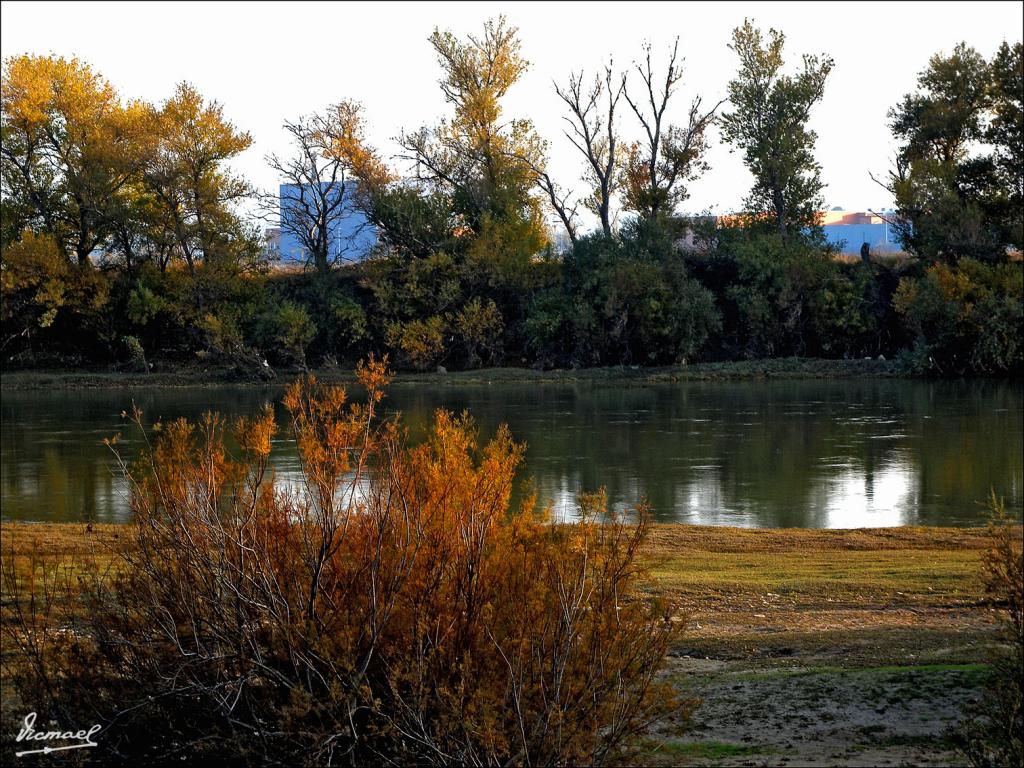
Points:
[479,325]
[626,300]
[967,318]
[349,324]
[784,297]
[135,355]
[284,332]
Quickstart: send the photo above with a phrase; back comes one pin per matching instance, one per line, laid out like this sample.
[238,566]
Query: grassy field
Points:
[745,587]
[806,647]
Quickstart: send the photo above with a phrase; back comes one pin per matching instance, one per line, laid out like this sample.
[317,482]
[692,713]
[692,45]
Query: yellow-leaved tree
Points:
[486,162]
[71,151]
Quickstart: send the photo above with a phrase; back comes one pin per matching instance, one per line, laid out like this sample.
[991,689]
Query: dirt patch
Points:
[772,714]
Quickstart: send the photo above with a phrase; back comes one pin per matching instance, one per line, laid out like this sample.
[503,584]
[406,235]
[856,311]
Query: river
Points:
[810,453]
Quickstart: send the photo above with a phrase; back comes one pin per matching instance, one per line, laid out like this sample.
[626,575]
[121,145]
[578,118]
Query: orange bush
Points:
[390,606]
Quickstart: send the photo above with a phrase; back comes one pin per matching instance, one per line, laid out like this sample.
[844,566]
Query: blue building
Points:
[350,235]
[848,231]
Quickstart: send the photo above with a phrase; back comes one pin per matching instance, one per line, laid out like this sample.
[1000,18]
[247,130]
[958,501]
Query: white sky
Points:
[269,61]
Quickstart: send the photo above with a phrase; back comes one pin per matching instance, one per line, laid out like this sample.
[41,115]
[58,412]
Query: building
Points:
[272,243]
[849,230]
[351,236]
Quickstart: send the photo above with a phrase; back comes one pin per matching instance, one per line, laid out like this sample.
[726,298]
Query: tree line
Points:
[127,240]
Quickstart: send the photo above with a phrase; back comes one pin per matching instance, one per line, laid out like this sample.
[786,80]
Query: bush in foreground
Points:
[993,734]
[386,607]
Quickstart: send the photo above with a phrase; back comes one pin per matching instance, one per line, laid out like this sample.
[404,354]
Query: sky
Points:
[267,62]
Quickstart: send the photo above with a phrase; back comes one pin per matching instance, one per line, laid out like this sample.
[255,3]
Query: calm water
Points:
[800,453]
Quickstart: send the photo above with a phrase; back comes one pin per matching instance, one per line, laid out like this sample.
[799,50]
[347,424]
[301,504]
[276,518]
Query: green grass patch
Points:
[930,668]
[849,574]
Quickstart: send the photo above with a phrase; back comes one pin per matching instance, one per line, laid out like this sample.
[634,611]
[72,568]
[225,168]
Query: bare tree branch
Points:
[592,132]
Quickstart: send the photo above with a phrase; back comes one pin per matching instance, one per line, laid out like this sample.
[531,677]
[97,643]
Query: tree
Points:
[487,165]
[412,224]
[943,118]
[559,200]
[194,190]
[955,198]
[769,123]
[45,294]
[70,152]
[322,177]
[656,170]
[593,132]
[1006,134]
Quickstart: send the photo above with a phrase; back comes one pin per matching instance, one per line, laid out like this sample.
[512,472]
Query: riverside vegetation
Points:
[391,606]
[128,244]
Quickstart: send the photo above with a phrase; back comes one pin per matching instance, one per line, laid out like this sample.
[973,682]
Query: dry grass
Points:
[68,539]
[891,259]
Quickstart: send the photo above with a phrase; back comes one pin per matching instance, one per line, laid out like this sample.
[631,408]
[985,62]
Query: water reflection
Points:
[801,453]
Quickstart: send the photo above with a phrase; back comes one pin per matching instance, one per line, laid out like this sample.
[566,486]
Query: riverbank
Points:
[771,368]
[817,648]
[806,647]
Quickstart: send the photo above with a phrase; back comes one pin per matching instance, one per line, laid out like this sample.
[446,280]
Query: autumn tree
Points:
[330,159]
[485,162]
[98,174]
[655,170]
[197,246]
[70,152]
[135,184]
[769,122]
[193,185]
[486,165]
[42,291]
